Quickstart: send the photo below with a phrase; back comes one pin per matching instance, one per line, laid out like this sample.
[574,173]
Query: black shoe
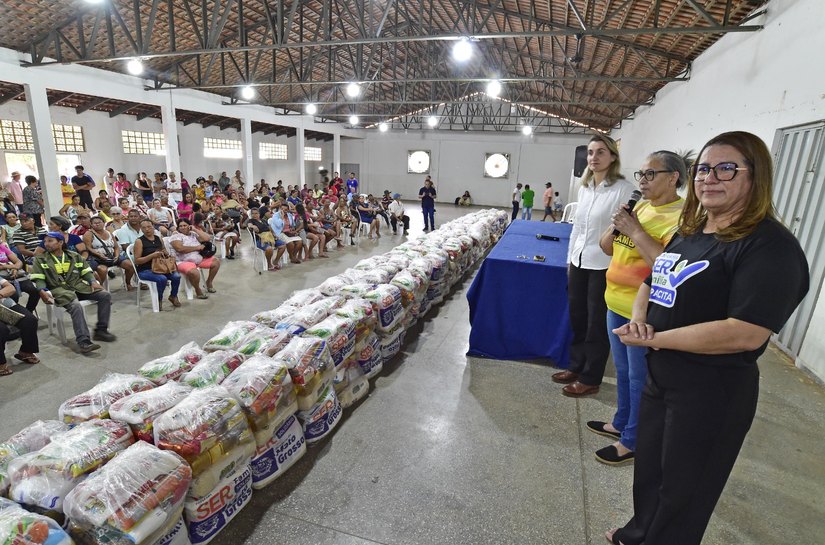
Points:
[230,256]
[110,274]
[104,335]
[597,427]
[610,455]
[87,346]
[395,232]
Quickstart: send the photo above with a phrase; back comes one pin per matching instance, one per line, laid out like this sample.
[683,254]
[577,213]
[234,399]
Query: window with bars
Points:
[143,143]
[312,154]
[222,149]
[268,150]
[17,135]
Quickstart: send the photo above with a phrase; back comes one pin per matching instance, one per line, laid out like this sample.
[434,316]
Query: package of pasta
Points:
[43,478]
[351,384]
[140,409]
[136,498]
[209,430]
[264,390]
[361,312]
[213,368]
[21,527]
[171,367]
[369,356]
[339,334]
[302,298]
[321,418]
[95,403]
[229,336]
[386,300]
[31,438]
[270,318]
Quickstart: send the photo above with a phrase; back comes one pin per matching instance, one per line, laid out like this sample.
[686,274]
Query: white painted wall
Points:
[457,163]
[757,82]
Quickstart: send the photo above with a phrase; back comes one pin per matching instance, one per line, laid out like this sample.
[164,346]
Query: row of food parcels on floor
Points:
[169,455]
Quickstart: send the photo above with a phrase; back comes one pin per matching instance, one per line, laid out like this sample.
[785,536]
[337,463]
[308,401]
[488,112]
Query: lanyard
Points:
[63,271]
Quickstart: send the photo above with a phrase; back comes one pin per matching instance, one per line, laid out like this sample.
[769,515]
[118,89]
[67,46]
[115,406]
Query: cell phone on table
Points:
[538,258]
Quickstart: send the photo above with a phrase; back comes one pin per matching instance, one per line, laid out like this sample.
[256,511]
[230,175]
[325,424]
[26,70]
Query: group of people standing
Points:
[685,293]
[524,197]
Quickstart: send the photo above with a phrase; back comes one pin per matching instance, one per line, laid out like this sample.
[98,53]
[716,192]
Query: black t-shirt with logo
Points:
[427,197]
[759,279]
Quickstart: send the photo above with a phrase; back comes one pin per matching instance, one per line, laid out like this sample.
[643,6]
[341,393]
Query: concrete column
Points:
[44,149]
[248,154]
[336,154]
[299,152]
[170,137]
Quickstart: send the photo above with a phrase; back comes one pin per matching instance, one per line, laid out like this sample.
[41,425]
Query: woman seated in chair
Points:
[161,217]
[330,223]
[72,243]
[367,215]
[281,225]
[185,207]
[265,239]
[314,231]
[27,325]
[11,269]
[146,248]
[187,248]
[225,233]
[346,219]
[104,252]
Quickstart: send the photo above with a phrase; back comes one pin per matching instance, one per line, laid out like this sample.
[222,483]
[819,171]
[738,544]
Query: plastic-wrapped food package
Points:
[399,260]
[409,284]
[391,342]
[135,498]
[339,334]
[213,368]
[361,312]
[207,516]
[320,419]
[31,438]
[310,366]
[333,284]
[376,276]
[229,336]
[43,478]
[94,403]
[274,343]
[21,527]
[423,265]
[140,409]
[286,446]
[386,300]
[309,315]
[439,263]
[270,318]
[263,387]
[353,384]
[178,535]
[171,367]
[301,298]
[357,289]
[367,264]
[259,339]
[209,430]
[369,356]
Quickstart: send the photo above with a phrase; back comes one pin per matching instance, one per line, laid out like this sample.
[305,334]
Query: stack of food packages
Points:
[257,393]
[21,527]
[209,430]
[136,498]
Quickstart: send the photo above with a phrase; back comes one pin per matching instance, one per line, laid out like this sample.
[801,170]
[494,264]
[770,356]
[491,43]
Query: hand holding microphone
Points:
[631,204]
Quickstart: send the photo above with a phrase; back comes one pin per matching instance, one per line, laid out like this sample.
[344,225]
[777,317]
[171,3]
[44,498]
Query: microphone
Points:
[634,198]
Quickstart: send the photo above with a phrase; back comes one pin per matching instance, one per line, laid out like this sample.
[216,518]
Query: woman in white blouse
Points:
[603,189]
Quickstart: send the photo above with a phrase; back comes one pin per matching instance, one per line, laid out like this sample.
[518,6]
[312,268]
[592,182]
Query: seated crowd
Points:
[161,231]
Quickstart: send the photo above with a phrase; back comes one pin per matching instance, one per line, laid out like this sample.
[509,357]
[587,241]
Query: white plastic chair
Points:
[569,213]
[56,316]
[153,288]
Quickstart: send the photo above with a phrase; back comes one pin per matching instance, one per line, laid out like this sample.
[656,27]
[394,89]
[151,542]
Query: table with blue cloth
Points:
[518,306]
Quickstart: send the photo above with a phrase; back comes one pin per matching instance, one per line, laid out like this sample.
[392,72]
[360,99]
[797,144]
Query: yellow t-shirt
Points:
[627,268]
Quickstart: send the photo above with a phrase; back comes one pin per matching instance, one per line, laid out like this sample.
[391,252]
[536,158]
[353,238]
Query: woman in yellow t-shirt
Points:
[642,236]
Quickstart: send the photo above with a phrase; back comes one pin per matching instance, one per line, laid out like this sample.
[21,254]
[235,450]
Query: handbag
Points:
[164,265]
[267,237]
[209,249]
[7,314]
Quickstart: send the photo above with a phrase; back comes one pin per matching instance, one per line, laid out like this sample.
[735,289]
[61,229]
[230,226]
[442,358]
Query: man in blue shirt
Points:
[427,197]
[352,183]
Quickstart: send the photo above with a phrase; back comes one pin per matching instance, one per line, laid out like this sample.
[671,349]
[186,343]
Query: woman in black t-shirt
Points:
[730,276]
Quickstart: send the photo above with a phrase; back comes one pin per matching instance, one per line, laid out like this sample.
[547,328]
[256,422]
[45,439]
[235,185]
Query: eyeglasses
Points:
[648,174]
[724,172]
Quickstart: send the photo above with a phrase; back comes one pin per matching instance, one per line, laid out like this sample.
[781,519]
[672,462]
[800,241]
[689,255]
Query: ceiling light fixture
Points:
[353,90]
[383,127]
[432,121]
[462,50]
[494,88]
[353,120]
[94,1]
[247,92]
[135,67]
[527,130]
[311,109]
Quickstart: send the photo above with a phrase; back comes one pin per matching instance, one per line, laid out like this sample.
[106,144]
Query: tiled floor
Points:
[449,449]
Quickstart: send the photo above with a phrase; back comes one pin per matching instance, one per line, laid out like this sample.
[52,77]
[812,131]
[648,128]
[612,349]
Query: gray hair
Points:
[678,161]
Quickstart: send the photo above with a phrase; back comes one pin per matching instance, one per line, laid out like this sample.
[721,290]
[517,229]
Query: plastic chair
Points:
[569,213]
[188,288]
[56,316]
[153,288]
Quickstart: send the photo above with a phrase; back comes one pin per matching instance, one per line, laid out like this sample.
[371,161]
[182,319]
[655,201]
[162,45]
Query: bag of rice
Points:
[391,343]
[386,300]
[339,334]
[286,446]
[95,402]
[369,356]
[213,368]
[140,409]
[31,438]
[171,367]
[320,419]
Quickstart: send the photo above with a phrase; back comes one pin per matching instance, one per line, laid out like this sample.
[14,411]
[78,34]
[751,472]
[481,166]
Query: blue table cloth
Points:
[518,306]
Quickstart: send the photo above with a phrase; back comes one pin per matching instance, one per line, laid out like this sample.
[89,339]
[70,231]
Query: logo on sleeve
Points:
[668,276]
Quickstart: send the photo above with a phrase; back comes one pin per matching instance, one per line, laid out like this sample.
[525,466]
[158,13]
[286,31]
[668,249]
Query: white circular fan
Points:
[496,165]
[418,162]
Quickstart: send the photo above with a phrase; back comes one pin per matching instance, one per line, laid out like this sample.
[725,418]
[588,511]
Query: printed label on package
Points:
[343,348]
[392,348]
[389,315]
[176,536]
[325,423]
[209,516]
[284,449]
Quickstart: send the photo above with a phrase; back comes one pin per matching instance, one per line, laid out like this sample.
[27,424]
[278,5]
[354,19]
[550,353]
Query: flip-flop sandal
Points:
[31,360]
[6,372]
[211,290]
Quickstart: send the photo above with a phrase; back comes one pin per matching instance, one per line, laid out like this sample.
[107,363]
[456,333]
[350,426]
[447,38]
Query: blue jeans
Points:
[161,280]
[631,374]
[429,212]
[527,213]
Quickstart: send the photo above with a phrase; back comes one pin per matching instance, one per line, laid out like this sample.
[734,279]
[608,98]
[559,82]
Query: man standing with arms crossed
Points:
[83,185]
[427,197]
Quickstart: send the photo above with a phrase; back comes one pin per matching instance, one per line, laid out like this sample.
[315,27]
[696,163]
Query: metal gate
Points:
[799,193]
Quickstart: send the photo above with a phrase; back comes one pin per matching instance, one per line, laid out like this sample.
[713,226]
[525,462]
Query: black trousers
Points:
[404,219]
[28,333]
[692,421]
[588,318]
[515,210]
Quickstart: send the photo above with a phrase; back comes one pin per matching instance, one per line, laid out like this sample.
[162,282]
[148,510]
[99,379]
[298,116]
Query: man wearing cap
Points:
[14,188]
[396,210]
[64,279]
[83,185]
[548,202]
